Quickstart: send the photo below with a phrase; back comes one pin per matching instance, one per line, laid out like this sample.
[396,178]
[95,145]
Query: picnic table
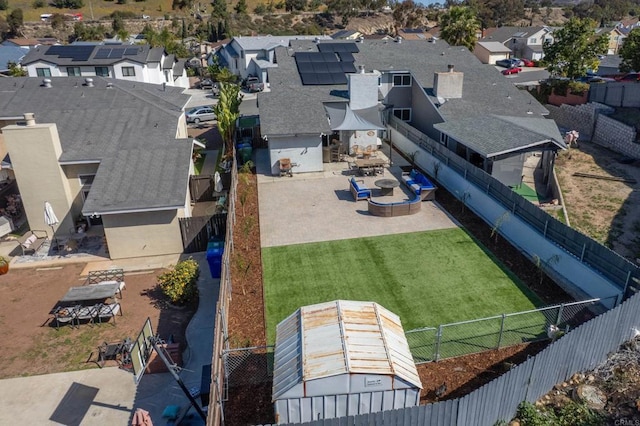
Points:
[91,292]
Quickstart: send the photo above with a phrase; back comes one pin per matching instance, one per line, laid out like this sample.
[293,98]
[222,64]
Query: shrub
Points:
[38,4]
[180,283]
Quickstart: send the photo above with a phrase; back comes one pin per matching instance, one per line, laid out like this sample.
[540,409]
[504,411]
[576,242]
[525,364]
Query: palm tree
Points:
[459,26]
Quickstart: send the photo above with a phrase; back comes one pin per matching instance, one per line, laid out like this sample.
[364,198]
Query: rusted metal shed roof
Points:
[340,337]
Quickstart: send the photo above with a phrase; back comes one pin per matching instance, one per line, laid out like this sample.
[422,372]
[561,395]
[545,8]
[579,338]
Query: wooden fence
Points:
[197,231]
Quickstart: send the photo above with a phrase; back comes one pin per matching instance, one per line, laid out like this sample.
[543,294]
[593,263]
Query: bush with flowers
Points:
[180,283]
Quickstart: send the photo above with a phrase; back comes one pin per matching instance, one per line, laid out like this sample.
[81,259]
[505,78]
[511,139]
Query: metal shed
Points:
[342,358]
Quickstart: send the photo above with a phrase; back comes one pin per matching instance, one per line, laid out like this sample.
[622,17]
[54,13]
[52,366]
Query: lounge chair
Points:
[31,241]
[107,311]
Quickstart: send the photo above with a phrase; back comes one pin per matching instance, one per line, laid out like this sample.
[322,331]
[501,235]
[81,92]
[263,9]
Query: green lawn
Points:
[427,278]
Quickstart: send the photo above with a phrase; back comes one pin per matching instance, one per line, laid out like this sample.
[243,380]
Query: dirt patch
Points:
[37,347]
[607,211]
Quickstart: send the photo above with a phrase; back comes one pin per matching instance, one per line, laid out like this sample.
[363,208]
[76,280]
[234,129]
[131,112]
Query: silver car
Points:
[198,114]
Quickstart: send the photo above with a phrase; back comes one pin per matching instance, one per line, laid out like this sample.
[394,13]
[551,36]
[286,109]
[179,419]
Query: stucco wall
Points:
[303,150]
[34,152]
[142,234]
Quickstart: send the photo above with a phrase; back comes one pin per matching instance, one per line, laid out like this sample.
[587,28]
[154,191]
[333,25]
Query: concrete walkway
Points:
[109,396]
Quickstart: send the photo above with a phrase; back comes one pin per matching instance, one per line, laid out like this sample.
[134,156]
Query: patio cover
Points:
[342,117]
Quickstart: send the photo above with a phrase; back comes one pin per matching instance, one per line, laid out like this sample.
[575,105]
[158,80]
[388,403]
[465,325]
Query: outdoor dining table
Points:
[386,186]
[370,165]
[91,292]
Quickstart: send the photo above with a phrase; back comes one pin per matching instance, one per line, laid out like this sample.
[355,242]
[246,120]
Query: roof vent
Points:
[109,85]
[30,119]
[361,39]
[450,67]
[361,69]
[88,82]
[46,82]
[398,39]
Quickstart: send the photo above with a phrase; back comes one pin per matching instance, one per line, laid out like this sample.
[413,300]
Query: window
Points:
[43,72]
[85,185]
[533,40]
[444,139]
[403,114]
[402,80]
[102,71]
[73,71]
[128,72]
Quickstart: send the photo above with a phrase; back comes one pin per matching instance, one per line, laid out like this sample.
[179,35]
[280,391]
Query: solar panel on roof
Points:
[334,67]
[338,47]
[116,53]
[305,67]
[320,68]
[347,67]
[309,78]
[325,79]
[102,53]
[346,57]
[338,78]
[131,51]
[75,53]
[303,57]
[329,57]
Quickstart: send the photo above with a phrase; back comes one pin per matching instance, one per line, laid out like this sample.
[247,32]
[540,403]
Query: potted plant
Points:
[4,265]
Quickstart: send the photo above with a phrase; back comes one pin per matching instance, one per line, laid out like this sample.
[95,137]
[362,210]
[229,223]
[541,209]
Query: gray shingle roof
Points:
[10,54]
[271,42]
[292,108]
[129,128]
[503,34]
[495,135]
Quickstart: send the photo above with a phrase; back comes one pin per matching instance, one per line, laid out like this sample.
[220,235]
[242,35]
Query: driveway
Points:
[313,207]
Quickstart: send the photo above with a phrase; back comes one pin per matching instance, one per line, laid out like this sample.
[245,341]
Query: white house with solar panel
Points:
[141,63]
[342,358]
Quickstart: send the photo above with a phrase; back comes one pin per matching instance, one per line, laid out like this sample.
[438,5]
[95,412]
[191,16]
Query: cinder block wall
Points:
[616,136]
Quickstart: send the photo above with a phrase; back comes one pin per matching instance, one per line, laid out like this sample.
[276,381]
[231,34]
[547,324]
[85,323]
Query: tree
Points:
[241,7]
[575,49]
[227,112]
[117,24]
[123,35]
[16,70]
[407,14]
[459,26]
[4,4]
[15,21]
[293,5]
[630,52]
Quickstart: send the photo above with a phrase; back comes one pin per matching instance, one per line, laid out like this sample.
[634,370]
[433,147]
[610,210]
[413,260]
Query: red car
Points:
[527,62]
[514,70]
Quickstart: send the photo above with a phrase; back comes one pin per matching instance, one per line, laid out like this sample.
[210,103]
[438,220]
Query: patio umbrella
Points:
[50,217]
[217,183]
[141,418]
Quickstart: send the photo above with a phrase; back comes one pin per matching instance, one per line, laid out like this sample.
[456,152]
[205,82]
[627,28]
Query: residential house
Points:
[414,34]
[115,153]
[346,35]
[524,42]
[627,25]
[615,36]
[440,90]
[245,56]
[141,63]
[491,51]
[30,43]
[8,55]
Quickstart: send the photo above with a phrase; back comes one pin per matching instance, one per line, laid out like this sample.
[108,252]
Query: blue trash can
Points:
[215,248]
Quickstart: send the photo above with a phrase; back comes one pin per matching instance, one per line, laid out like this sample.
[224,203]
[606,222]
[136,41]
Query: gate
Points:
[201,188]
[197,231]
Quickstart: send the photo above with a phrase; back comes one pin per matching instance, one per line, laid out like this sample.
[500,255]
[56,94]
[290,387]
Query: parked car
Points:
[634,76]
[252,84]
[206,83]
[514,70]
[508,63]
[526,63]
[198,114]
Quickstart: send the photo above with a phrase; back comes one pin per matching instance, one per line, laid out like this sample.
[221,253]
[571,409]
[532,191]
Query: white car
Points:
[198,114]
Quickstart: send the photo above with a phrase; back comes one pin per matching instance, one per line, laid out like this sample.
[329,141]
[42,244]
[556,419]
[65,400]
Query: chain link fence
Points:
[247,366]
[468,337]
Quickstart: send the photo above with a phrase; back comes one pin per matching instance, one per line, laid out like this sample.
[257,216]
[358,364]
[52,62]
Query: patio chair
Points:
[109,310]
[86,313]
[64,315]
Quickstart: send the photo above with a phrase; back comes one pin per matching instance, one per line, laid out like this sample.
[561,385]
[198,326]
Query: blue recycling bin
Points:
[215,249]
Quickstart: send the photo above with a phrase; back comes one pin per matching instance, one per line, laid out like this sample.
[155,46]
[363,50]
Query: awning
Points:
[342,117]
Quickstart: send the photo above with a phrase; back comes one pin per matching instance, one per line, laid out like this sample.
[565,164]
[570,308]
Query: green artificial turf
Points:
[427,278]
[527,192]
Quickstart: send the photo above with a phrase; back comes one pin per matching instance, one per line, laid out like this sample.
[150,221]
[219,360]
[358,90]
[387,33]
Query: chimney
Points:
[30,119]
[363,89]
[448,85]
[46,82]
[88,82]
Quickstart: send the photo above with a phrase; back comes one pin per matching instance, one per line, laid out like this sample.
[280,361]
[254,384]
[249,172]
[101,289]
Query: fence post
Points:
[546,224]
[438,338]
[501,330]
[559,318]
[584,248]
